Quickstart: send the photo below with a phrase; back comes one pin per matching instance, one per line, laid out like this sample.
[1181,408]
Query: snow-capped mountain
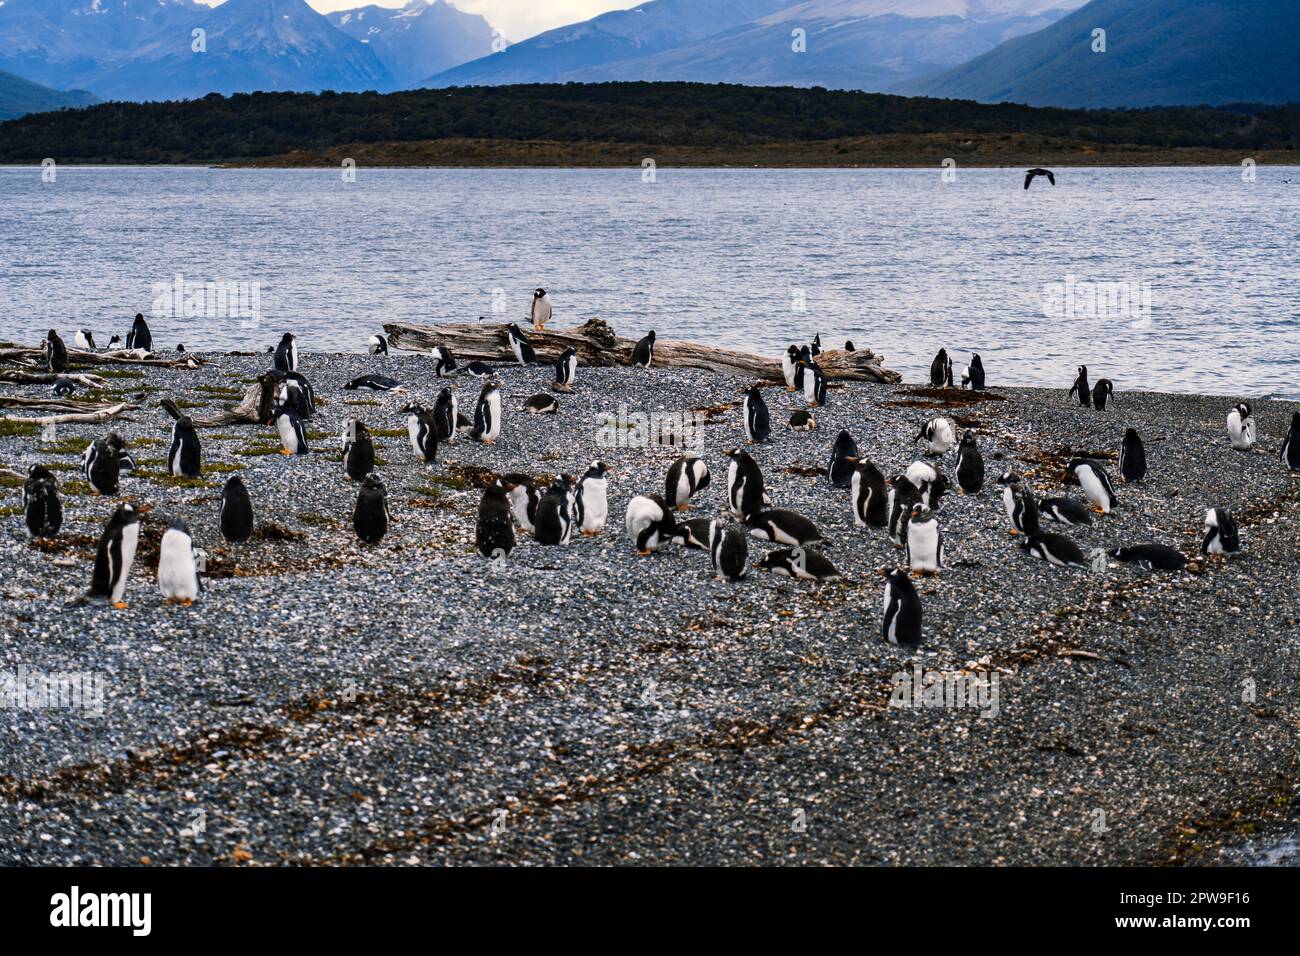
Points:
[422,38]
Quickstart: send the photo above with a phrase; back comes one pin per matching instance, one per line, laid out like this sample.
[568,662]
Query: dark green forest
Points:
[250,126]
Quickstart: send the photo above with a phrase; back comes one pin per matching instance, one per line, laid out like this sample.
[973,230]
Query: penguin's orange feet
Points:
[1013,532]
[489,441]
[285,451]
[170,601]
[644,554]
[684,506]
[120,605]
[1100,511]
[187,602]
[918,574]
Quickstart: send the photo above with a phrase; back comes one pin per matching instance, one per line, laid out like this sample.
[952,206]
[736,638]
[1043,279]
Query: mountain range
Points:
[19,97]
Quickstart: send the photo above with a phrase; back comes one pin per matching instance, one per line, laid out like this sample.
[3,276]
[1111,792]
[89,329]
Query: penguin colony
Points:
[906,507]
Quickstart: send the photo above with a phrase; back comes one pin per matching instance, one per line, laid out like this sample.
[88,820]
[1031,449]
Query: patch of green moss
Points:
[73,445]
[10,429]
[10,511]
[75,487]
[10,481]
[361,401]
[388,432]
[258,450]
[119,373]
[223,467]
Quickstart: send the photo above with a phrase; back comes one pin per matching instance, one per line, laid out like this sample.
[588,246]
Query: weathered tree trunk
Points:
[89,417]
[117,357]
[597,344]
[253,409]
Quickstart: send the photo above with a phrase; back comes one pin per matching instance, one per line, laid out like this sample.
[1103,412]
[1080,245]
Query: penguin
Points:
[802,420]
[184,459]
[1103,390]
[902,496]
[728,550]
[540,312]
[815,349]
[358,451]
[931,483]
[649,523]
[1241,427]
[1080,387]
[236,511]
[56,353]
[125,460]
[924,552]
[940,434]
[784,527]
[566,369]
[941,369]
[745,495]
[494,534]
[445,412]
[555,513]
[1221,535]
[1291,446]
[378,345]
[479,368]
[487,413]
[115,554]
[375,383]
[802,357]
[901,625]
[84,340]
[524,497]
[286,353]
[63,387]
[814,384]
[178,570]
[41,506]
[101,466]
[296,394]
[421,432]
[758,423]
[1096,485]
[1152,557]
[844,459]
[444,363]
[693,533]
[686,476]
[848,345]
[139,337]
[870,496]
[1021,507]
[789,366]
[293,435]
[114,341]
[972,376]
[520,345]
[643,352]
[970,465]
[591,502]
[370,516]
[1065,511]
[806,564]
[541,404]
[1132,457]
[1057,550]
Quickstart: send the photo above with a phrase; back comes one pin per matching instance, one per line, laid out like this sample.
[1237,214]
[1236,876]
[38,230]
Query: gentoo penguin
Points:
[941,369]
[286,353]
[292,432]
[970,464]
[296,394]
[370,516]
[102,467]
[802,420]
[494,535]
[591,501]
[902,496]
[540,404]
[114,342]
[848,345]
[378,345]
[520,345]
[784,527]
[1080,387]
[184,458]
[84,340]
[728,550]
[56,353]
[1065,511]
[358,451]
[924,541]
[178,567]
[758,423]
[649,523]
[932,487]
[374,383]
[806,564]
[901,625]
[236,511]
[487,413]
[540,312]
[940,434]
[844,458]
[815,349]
[1132,457]
[745,495]
[643,353]
[1241,427]
[1057,550]
[1021,507]
[63,387]
[1291,446]
[802,357]
[421,432]
[972,376]
[524,496]
[814,384]
[445,411]
[1096,485]
[1152,557]
[479,368]
[115,554]
[1221,536]
[789,366]
[1103,390]
[139,337]
[566,369]
[693,533]
[41,505]
[870,495]
[555,513]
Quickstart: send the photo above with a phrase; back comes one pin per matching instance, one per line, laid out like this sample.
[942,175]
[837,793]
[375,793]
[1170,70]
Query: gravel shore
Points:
[407,703]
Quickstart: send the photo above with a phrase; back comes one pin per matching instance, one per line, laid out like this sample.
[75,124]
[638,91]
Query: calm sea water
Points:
[897,260]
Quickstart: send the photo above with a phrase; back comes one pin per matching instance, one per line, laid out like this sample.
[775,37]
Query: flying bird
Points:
[1039,171]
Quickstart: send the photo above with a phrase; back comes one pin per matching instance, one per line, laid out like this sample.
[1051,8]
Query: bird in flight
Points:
[1039,171]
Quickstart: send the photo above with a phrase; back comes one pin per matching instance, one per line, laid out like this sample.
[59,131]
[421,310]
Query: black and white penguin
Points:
[649,523]
[870,495]
[1132,457]
[84,340]
[802,357]
[63,387]
[1022,509]
[789,367]
[444,415]
[178,566]
[931,483]
[1065,511]
[848,345]
[1096,485]
[1080,387]
[184,458]
[554,524]
[487,413]
[902,496]
[970,464]
[1058,550]
[781,526]
[745,495]
[358,451]
[1241,427]
[941,369]
[370,517]
[972,376]
[375,383]
[901,625]
[643,353]
[540,404]
[815,349]
[728,550]
[236,511]
[444,363]
[940,435]
[480,369]
[1221,535]
[924,553]
[1103,390]
[286,353]
[139,337]
[494,534]
[591,501]
[844,459]
[125,460]
[520,345]
[102,467]
[758,423]
[41,506]
[566,370]
[540,312]
[292,432]
[524,497]
[686,476]
[1152,557]
[693,533]
[115,554]
[805,564]
[378,345]
[421,432]
[1291,445]
[56,353]
[802,420]
[114,342]
[814,384]
[296,394]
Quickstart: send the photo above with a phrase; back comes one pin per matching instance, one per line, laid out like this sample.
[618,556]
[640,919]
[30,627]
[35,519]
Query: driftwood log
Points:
[36,357]
[48,378]
[91,416]
[597,344]
[253,409]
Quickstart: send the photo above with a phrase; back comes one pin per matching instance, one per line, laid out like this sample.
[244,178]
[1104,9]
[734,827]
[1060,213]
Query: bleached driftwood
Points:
[101,414]
[253,409]
[597,344]
[36,357]
[48,378]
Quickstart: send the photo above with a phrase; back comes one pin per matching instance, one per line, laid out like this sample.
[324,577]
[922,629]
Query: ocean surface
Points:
[1202,268]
